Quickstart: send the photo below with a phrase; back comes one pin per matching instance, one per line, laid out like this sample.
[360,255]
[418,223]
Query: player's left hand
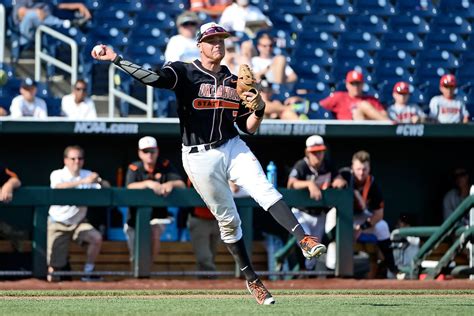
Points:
[103,52]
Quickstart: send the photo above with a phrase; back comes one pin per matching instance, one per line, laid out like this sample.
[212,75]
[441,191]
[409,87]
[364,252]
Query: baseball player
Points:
[210,100]
[445,108]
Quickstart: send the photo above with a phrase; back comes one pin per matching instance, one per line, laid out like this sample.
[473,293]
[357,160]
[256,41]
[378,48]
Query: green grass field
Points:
[232,302]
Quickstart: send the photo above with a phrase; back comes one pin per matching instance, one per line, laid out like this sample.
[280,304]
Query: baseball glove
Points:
[246,83]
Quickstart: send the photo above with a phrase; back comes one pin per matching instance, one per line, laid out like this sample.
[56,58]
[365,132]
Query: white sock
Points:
[89,267]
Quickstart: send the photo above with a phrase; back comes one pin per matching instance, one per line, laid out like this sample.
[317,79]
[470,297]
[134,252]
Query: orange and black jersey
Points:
[208,103]
[5,174]
[370,192]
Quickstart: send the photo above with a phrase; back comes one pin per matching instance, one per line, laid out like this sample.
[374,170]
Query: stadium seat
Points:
[129,6]
[145,53]
[386,91]
[5,101]
[429,77]
[309,54]
[109,18]
[149,33]
[323,23]
[349,58]
[367,23]
[286,21]
[311,71]
[359,40]
[405,23]
[159,19]
[172,7]
[336,7]
[53,105]
[296,7]
[464,8]
[395,58]
[380,8]
[425,8]
[386,74]
[311,86]
[408,42]
[314,40]
[438,59]
[261,4]
[464,74]
[450,23]
[450,42]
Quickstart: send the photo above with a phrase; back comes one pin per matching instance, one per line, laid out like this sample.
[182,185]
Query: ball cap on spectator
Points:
[28,83]
[147,142]
[211,29]
[448,81]
[187,17]
[315,143]
[354,76]
[401,87]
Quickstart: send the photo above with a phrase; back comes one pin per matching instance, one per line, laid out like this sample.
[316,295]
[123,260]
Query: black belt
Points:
[213,145]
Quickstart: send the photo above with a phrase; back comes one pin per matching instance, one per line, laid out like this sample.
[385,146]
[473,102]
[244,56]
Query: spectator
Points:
[368,208]
[29,14]
[183,46]
[273,68]
[77,105]
[213,8]
[156,173]
[241,16]
[404,248]
[68,222]
[3,111]
[9,181]
[205,236]
[27,104]
[401,111]
[445,108]
[457,194]
[315,174]
[237,54]
[274,108]
[352,104]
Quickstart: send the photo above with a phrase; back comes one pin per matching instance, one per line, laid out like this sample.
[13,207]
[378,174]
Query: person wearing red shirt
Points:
[352,104]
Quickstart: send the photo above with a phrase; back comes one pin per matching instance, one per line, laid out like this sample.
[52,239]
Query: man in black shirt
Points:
[158,174]
[212,152]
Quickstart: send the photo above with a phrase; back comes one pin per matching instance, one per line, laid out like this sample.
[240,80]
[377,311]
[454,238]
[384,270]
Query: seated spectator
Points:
[274,108]
[155,173]
[183,46]
[273,68]
[241,16]
[353,104]
[27,104]
[401,111]
[29,14]
[445,108]
[368,208]
[213,8]
[457,194]
[237,54]
[77,105]
[3,111]
[68,222]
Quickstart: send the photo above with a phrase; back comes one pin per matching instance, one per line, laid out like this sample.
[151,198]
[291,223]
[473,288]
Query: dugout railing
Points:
[40,198]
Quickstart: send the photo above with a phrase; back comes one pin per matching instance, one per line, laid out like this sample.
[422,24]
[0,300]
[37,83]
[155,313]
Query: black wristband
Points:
[365,225]
[117,59]
[260,113]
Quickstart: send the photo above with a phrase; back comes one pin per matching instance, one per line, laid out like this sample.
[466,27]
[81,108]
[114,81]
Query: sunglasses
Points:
[210,31]
[189,24]
[149,151]
[266,45]
[76,158]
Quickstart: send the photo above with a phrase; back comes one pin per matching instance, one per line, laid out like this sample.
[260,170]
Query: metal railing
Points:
[42,56]
[3,22]
[40,198]
[114,92]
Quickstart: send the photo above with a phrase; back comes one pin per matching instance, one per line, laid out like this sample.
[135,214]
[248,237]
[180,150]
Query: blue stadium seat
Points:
[425,8]
[408,42]
[337,7]
[386,91]
[323,23]
[296,7]
[359,40]
[438,59]
[464,8]
[404,23]
[450,42]
[53,105]
[309,55]
[353,57]
[385,75]
[261,4]
[128,6]
[286,21]
[395,58]
[158,19]
[172,7]
[381,8]
[110,18]
[11,88]
[313,40]
[283,39]
[451,23]
[367,23]
[145,53]
[310,71]
[42,90]
[312,86]
[429,76]
[6,101]
[151,34]
[464,74]
[9,70]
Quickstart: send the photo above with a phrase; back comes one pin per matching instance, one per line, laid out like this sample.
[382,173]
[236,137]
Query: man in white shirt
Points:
[240,14]
[183,46]
[78,105]
[68,222]
[27,104]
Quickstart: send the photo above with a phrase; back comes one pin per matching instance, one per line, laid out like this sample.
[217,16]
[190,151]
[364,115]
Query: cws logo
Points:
[410,130]
[105,128]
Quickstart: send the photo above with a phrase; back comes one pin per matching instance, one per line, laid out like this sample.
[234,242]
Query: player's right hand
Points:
[106,54]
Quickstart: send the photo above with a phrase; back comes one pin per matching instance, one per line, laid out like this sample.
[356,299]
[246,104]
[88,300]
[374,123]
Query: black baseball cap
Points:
[28,83]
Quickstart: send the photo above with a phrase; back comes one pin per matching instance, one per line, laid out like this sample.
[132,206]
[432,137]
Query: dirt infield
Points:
[160,284]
